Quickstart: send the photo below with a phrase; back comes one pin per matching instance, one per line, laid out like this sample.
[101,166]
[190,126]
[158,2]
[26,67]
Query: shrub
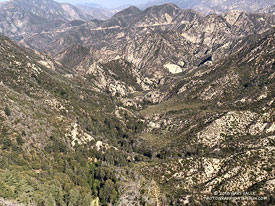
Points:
[7,110]
[20,140]
[6,142]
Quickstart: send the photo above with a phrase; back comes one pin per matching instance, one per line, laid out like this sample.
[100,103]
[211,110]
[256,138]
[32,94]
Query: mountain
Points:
[132,10]
[159,42]
[20,18]
[214,119]
[184,4]
[243,78]
[100,12]
[95,11]
[215,6]
[161,106]
[48,122]
[225,6]
[205,7]
[173,36]
[73,55]
[269,10]
[80,132]
[90,5]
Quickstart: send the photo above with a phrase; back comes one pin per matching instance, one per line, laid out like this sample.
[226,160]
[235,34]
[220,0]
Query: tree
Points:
[7,110]
[108,193]
[73,197]
[20,140]
[86,200]
[7,143]
[95,187]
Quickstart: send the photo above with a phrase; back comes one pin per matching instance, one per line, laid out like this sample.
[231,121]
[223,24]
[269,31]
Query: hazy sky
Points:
[107,3]
[104,3]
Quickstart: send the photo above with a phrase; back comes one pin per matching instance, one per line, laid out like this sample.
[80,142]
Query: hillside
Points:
[214,132]
[215,6]
[22,18]
[159,42]
[52,133]
[161,106]
[190,134]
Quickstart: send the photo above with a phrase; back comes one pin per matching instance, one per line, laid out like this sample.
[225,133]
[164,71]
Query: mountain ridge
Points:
[18,20]
[188,27]
[213,6]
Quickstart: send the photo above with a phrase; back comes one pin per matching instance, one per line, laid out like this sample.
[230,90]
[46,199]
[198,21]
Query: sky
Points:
[107,3]
[104,3]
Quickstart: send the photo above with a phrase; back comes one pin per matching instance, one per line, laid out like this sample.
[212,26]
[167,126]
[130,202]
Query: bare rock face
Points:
[231,75]
[96,11]
[9,203]
[158,42]
[228,5]
[157,36]
[268,10]
[27,17]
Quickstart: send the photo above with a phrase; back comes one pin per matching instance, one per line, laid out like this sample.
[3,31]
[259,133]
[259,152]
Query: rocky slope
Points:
[212,134]
[254,64]
[47,121]
[269,10]
[158,42]
[225,6]
[21,18]
[215,6]
[156,107]
[215,135]
[97,11]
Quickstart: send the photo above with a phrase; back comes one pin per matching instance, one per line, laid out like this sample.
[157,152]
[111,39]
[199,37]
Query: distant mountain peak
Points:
[170,5]
[90,5]
[35,1]
[168,8]
[216,6]
[34,16]
[129,11]
[166,5]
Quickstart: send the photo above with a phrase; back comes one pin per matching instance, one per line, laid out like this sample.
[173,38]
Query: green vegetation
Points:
[121,70]
[55,178]
[171,105]
[7,110]
[173,142]
[37,163]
